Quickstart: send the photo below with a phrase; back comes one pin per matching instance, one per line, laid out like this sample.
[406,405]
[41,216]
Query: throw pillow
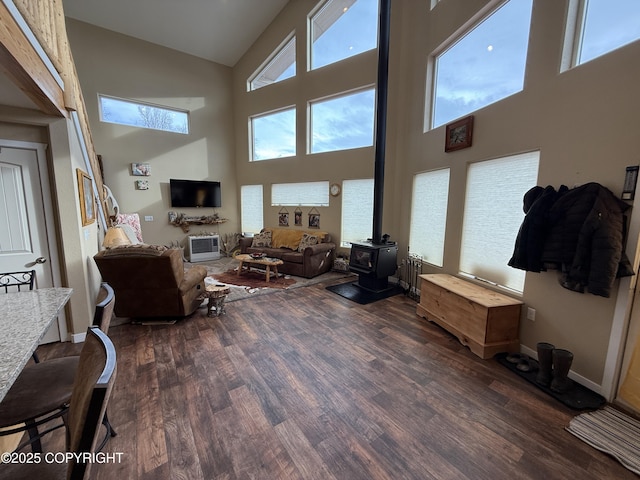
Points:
[307,241]
[262,239]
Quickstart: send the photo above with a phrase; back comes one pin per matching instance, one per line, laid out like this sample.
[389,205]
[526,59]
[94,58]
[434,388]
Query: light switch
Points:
[148,218]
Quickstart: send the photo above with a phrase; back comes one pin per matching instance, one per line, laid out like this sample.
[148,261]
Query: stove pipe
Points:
[381,118]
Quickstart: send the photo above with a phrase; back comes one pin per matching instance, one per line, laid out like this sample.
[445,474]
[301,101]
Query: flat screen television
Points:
[195,193]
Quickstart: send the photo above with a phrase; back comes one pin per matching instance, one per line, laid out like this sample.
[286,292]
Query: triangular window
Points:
[280,65]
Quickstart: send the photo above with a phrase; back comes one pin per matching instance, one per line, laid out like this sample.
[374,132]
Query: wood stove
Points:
[373,263]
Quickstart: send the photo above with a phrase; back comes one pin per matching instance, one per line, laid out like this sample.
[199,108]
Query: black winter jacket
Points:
[579,231]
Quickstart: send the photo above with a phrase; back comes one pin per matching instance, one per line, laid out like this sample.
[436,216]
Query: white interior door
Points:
[25,204]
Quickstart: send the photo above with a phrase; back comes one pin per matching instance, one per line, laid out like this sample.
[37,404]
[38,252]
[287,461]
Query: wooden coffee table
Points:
[266,262]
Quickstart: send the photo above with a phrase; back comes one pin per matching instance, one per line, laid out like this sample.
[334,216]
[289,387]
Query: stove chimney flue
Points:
[381,117]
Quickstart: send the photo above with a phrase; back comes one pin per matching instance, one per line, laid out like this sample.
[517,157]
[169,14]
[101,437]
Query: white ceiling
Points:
[217,30]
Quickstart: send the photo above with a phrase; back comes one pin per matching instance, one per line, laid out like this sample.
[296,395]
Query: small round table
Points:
[216,293]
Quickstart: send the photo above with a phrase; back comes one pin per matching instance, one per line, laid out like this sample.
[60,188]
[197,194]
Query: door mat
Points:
[578,397]
[610,431]
[352,291]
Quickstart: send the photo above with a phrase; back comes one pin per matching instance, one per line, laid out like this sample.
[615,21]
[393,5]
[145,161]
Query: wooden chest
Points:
[485,321]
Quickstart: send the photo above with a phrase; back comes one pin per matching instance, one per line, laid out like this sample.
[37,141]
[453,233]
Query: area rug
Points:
[610,431]
[241,288]
[253,279]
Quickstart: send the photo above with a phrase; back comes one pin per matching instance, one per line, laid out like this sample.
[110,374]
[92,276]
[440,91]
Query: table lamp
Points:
[115,237]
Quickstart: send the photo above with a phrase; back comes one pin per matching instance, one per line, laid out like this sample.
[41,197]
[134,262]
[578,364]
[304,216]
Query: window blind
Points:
[429,215]
[357,211]
[493,215]
[314,194]
[251,208]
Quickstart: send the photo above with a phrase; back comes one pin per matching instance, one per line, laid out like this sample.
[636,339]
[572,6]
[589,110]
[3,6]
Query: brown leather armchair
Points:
[150,281]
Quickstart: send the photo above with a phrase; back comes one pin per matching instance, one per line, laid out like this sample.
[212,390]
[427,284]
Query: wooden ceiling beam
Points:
[24,66]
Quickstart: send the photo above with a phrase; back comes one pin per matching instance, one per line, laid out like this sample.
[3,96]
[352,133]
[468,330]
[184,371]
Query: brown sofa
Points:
[307,261]
[150,281]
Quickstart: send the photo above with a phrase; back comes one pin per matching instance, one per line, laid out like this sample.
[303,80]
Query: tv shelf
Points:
[185,221]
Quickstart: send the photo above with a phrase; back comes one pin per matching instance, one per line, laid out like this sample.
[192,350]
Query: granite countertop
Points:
[24,319]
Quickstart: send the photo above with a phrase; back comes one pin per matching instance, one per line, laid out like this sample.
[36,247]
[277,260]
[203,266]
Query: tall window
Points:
[251,209]
[484,66]
[493,215]
[294,194]
[144,115]
[606,25]
[273,135]
[357,211]
[280,65]
[343,122]
[429,215]
[341,29]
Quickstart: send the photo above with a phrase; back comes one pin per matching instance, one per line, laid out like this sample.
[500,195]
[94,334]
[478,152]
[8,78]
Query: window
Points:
[274,135]
[251,209]
[341,29]
[484,66]
[606,25]
[493,215]
[280,65]
[296,194]
[357,211]
[144,115]
[343,122]
[429,215]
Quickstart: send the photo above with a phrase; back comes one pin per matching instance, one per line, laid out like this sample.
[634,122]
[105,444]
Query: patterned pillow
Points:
[262,239]
[307,241]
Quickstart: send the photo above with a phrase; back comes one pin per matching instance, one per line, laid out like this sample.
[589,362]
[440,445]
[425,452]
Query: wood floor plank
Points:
[304,384]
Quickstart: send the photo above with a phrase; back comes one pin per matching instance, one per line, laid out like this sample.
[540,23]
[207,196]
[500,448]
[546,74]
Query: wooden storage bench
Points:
[485,321]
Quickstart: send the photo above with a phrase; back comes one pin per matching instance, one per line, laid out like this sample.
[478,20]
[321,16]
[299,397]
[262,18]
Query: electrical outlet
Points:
[531,314]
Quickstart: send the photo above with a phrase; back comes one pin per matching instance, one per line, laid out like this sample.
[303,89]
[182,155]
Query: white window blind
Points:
[314,194]
[251,208]
[493,215]
[357,211]
[429,215]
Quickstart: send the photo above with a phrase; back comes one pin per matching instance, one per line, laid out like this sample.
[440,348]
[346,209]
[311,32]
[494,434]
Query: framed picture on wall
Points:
[459,134]
[85,197]
[140,169]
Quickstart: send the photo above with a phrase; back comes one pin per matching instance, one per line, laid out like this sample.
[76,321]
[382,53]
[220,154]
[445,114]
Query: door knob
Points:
[41,260]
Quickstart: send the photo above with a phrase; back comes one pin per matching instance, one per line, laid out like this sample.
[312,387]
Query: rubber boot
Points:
[561,364]
[545,361]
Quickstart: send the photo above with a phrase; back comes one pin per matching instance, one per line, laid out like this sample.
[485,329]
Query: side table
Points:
[216,293]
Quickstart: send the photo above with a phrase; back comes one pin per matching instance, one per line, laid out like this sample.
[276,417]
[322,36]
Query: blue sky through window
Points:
[608,24]
[354,31]
[137,114]
[486,65]
[343,122]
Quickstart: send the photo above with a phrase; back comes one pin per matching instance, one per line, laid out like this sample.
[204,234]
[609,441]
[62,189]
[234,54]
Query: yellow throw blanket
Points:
[283,237]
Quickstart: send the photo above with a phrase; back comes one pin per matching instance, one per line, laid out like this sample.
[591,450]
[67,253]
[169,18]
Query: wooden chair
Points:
[42,392]
[91,391]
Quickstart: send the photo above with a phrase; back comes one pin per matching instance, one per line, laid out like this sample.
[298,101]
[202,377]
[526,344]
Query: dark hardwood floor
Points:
[304,384]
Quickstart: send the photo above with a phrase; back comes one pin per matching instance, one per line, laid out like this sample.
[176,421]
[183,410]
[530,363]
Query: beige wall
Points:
[581,120]
[121,66]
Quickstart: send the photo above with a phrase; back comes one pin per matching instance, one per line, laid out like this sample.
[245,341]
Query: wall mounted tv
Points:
[195,193]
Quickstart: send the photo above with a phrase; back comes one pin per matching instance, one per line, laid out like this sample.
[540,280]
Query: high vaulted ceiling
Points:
[217,30]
